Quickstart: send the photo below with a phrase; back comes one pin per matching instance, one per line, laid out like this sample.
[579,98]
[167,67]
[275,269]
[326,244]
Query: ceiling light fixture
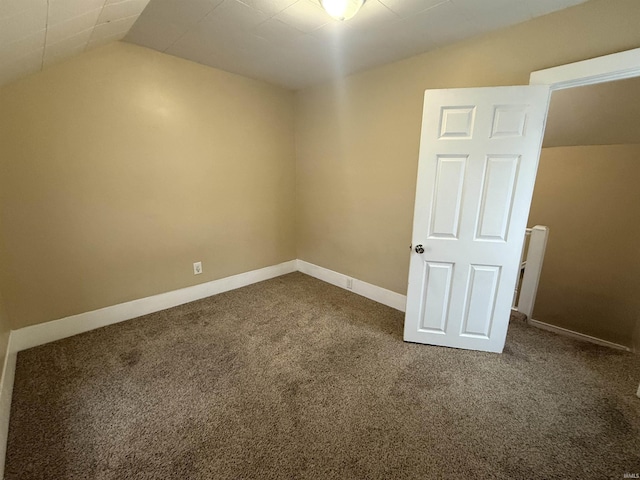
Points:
[342,9]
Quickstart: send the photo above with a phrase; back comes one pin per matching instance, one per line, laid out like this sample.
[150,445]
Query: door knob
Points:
[419,249]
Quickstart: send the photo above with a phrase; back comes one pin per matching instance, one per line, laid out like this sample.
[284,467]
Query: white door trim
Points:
[616,66]
[533,269]
[608,68]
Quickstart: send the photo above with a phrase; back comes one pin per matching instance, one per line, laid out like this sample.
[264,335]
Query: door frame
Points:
[608,68]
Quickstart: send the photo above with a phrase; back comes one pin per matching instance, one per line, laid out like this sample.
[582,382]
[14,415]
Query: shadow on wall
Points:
[590,280]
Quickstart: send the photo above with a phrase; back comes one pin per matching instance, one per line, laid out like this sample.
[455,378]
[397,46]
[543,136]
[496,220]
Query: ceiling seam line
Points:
[192,26]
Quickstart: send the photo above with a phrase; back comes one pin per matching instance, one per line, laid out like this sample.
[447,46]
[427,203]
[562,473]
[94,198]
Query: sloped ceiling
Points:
[292,43]
[602,114]
[38,33]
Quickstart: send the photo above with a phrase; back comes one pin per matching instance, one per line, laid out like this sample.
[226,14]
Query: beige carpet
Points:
[296,379]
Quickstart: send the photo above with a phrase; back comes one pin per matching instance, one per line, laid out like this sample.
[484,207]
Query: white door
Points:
[479,152]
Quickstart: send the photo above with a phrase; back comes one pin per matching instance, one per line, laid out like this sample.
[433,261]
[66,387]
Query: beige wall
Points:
[357,141]
[5,328]
[122,167]
[590,200]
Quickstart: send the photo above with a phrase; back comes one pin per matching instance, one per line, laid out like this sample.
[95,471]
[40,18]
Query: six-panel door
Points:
[479,152]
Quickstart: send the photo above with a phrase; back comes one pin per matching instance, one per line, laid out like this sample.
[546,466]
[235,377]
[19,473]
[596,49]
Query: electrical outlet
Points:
[197,268]
[350,283]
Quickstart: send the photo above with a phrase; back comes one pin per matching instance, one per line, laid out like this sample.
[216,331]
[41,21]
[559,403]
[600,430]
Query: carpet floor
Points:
[293,378]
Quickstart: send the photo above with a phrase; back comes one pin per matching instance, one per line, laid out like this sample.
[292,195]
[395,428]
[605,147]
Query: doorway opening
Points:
[477,168]
[586,192]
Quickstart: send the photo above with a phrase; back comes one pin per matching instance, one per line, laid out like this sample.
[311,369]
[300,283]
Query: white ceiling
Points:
[602,114]
[292,43]
[37,33]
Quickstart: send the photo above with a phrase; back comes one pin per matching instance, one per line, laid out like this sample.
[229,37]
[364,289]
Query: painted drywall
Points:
[357,140]
[5,330]
[122,167]
[607,117]
[589,198]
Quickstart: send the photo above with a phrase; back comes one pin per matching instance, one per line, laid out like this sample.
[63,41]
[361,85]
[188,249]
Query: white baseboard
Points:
[372,292]
[580,336]
[6,388]
[35,335]
[42,333]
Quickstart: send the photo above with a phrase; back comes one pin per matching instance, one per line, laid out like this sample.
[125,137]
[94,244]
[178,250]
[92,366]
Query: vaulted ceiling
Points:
[37,33]
[292,43]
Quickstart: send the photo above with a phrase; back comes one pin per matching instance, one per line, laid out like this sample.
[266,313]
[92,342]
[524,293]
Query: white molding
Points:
[42,333]
[6,389]
[616,66]
[580,336]
[35,335]
[372,292]
[533,269]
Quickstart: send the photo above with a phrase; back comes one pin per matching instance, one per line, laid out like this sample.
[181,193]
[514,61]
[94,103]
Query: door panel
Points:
[481,300]
[479,154]
[437,288]
[445,213]
[497,197]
